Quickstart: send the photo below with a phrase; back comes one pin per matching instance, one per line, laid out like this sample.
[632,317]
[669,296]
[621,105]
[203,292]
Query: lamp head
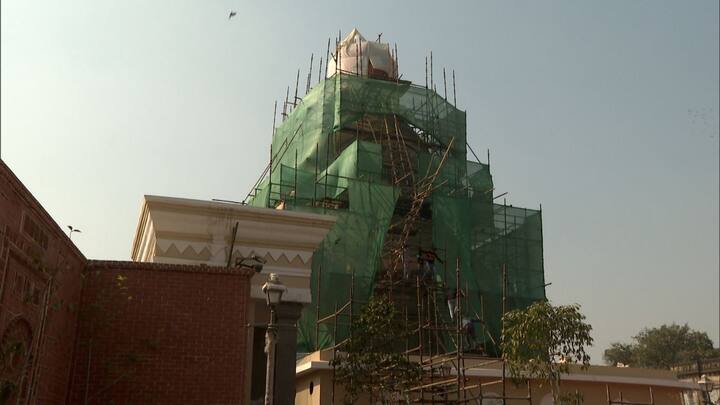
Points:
[273,290]
[705,383]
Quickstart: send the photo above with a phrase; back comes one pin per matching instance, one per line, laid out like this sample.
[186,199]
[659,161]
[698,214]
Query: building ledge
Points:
[596,374]
[147,266]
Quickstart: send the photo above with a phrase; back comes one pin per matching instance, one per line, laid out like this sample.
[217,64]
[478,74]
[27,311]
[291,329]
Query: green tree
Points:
[371,362]
[663,347]
[541,341]
[621,353]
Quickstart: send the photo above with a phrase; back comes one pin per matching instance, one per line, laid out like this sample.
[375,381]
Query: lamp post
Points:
[273,290]
[706,386]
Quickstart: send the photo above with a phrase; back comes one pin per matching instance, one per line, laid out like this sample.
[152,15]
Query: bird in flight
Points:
[232,14]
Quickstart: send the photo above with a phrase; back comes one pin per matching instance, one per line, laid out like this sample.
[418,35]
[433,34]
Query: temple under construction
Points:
[416,220]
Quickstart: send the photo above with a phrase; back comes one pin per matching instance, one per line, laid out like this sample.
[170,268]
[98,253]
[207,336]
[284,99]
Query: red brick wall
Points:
[161,334]
[40,284]
[147,333]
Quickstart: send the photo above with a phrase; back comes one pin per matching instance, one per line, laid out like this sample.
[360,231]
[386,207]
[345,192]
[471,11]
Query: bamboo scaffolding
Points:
[436,339]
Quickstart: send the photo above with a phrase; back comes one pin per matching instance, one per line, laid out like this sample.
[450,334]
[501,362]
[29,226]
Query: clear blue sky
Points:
[606,113]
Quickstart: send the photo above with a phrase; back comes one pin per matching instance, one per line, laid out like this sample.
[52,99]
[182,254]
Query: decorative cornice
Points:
[188,252]
[183,236]
[284,261]
[174,221]
[238,212]
[193,237]
[202,253]
[286,271]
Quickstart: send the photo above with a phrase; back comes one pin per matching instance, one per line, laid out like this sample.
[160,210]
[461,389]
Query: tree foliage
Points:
[371,361]
[662,347]
[620,353]
[542,340]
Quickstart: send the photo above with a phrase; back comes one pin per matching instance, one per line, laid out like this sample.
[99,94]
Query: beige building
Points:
[708,370]
[186,231]
[314,384]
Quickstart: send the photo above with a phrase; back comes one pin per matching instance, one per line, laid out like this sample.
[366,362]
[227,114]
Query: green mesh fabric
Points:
[346,255]
[316,167]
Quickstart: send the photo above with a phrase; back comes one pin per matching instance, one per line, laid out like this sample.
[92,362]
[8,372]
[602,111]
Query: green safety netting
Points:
[315,168]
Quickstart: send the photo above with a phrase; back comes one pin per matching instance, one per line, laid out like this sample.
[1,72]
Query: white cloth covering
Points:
[355,52]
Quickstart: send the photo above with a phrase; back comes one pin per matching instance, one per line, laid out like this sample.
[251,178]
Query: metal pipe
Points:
[327,58]
[320,69]
[309,75]
[232,243]
[287,94]
[334,355]
[426,73]
[454,95]
[397,65]
[317,309]
[445,84]
[297,82]
[432,83]
[502,340]
[270,341]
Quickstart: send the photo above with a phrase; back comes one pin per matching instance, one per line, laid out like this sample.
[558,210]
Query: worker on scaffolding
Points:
[452,298]
[469,332]
[426,259]
[406,258]
[467,324]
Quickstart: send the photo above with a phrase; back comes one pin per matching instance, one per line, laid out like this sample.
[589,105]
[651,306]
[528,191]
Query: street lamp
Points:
[273,290]
[706,386]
